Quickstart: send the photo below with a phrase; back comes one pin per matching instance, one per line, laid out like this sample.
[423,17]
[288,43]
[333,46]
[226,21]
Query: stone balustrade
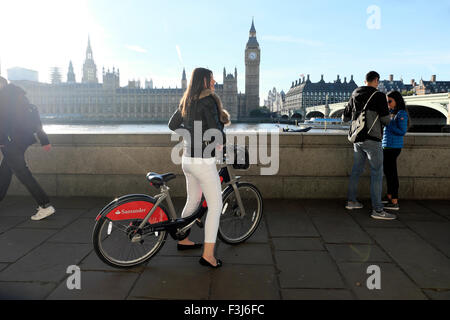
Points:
[311,166]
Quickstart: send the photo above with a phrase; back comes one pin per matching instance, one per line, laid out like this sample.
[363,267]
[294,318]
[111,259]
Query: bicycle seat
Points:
[159,179]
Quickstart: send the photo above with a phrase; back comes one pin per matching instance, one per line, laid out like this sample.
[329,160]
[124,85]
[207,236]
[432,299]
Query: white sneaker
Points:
[43,213]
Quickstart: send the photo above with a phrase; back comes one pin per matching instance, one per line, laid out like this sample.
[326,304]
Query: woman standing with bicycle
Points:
[201,112]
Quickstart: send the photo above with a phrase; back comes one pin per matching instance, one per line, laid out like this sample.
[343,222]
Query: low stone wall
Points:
[311,166]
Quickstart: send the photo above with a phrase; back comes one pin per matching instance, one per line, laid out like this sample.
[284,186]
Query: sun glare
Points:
[47,33]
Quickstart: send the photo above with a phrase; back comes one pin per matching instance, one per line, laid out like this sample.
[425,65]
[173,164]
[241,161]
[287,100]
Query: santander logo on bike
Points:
[118,212]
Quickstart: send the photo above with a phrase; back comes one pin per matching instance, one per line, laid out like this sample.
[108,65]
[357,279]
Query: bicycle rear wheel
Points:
[236,226]
[117,244]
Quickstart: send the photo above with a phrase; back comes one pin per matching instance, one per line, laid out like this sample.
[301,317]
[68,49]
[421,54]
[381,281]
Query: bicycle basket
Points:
[241,158]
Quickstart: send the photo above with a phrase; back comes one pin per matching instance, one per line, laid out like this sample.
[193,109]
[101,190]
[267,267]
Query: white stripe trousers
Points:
[202,178]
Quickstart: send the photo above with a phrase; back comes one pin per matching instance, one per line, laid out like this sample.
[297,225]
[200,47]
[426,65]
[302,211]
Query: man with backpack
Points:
[368,110]
[19,122]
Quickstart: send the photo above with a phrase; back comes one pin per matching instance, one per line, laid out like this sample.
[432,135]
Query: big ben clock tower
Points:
[252,63]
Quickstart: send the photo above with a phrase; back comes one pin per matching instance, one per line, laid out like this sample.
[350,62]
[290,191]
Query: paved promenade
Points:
[304,249]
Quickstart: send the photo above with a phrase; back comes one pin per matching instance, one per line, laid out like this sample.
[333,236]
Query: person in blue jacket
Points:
[393,144]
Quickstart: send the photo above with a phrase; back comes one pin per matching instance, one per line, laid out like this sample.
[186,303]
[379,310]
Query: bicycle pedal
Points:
[199,223]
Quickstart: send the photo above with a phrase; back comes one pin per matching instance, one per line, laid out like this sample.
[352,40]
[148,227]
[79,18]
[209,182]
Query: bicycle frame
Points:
[167,219]
[227,178]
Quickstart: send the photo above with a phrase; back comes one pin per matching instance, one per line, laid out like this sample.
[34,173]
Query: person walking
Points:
[201,112]
[19,123]
[367,145]
[393,142]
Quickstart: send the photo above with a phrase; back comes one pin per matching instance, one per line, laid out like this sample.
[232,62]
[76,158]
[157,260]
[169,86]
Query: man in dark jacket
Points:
[19,122]
[368,143]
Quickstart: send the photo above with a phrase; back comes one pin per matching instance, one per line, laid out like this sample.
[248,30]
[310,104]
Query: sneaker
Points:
[354,205]
[43,213]
[383,215]
[391,206]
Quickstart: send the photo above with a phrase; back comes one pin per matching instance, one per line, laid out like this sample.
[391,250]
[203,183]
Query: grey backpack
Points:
[360,122]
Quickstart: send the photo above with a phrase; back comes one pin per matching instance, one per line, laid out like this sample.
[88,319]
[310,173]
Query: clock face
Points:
[252,56]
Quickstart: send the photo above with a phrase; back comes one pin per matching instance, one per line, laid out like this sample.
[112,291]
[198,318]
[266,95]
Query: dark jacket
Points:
[377,114]
[19,120]
[205,112]
[394,133]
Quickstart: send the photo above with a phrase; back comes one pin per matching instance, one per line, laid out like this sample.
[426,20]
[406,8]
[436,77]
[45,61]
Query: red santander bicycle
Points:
[132,229]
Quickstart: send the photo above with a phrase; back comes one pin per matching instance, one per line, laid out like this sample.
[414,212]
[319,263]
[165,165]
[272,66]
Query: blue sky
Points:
[156,39]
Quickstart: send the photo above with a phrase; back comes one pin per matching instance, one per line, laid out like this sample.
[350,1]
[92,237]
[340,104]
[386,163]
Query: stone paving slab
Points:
[17,242]
[8,223]
[303,250]
[438,295]
[239,282]
[356,253]
[173,278]
[47,263]
[80,231]
[435,233]
[298,244]
[284,221]
[308,270]
[428,267]
[340,229]
[25,290]
[97,286]
[438,206]
[395,285]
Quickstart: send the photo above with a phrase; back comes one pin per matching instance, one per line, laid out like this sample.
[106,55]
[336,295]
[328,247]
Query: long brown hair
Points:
[194,90]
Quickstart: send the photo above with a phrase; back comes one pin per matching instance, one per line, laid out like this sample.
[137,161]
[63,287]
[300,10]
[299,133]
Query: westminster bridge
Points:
[432,109]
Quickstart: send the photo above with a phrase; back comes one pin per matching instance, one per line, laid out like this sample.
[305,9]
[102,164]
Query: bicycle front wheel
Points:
[236,225]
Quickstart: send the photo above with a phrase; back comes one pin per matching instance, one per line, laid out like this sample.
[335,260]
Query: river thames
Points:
[161,128]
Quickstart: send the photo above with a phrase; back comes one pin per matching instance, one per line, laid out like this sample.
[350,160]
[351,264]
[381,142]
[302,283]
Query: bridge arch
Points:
[297,116]
[426,115]
[337,113]
[430,106]
[315,114]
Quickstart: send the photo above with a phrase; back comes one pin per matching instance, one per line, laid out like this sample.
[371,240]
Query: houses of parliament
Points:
[90,100]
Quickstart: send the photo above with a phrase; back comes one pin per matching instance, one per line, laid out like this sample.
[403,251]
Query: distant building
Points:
[71,74]
[105,101]
[274,100]
[55,76]
[19,74]
[89,67]
[304,94]
[396,85]
[433,86]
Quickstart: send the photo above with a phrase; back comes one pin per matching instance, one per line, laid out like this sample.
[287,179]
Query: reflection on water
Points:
[155,128]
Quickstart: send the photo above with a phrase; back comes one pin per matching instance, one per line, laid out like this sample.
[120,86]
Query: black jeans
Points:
[390,171]
[14,163]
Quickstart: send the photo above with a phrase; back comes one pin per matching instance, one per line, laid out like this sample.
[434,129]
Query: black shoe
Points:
[183,247]
[205,263]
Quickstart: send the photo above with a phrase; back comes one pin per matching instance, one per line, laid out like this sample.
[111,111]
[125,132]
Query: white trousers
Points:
[202,178]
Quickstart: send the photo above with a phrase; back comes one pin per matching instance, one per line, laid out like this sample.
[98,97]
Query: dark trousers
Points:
[14,163]
[390,171]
